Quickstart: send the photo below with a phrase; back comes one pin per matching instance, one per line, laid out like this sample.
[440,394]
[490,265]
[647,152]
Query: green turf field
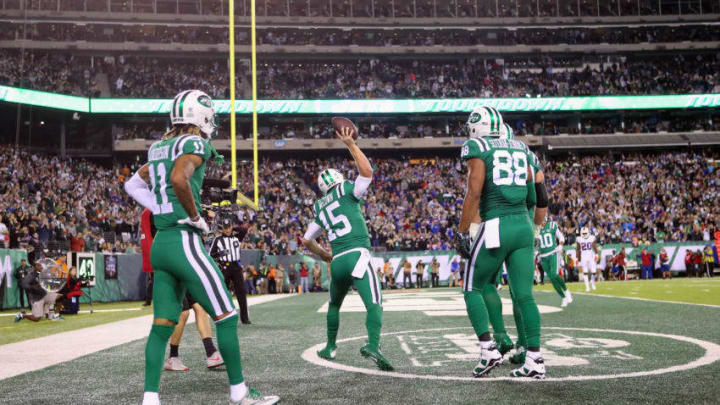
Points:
[14,332]
[691,290]
[598,350]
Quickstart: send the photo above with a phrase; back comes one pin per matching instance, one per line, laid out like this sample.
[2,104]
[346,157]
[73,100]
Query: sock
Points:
[592,280]
[333,323]
[531,319]
[585,278]
[238,392]
[477,312]
[534,354]
[494,308]
[522,339]
[174,350]
[373,323]
[568,295]
[558,285]
[155,354]
[209,347]
[151,398]
[485,337]
[230,347]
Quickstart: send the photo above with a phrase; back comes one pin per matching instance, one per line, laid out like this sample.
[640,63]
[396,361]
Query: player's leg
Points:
[167,297]
[480,271]
[174,362]
[584,268]
[202,321]
[549,265]
[494,308]
[521,343]
[340,282]
[520,271]
[368,287]
[203,279]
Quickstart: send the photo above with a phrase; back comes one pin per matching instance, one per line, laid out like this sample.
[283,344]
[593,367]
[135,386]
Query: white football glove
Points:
[198,223]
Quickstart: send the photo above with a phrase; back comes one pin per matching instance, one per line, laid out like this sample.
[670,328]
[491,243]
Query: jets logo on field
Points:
[450,303]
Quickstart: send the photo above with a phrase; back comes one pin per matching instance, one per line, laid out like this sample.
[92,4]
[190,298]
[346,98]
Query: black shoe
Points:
[247,322]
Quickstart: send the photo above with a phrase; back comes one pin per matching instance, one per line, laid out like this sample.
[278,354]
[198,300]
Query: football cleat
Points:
[255,398]
[504,343]
[20,315]
[377,357]
[175,364]
[490,358]
[564,303]
[568,296]
[328,353]
[532,368]
[215,360]
[519,356]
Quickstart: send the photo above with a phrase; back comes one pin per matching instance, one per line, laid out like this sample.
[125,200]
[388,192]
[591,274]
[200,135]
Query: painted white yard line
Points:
[85,311]
[35,354]
[636,299]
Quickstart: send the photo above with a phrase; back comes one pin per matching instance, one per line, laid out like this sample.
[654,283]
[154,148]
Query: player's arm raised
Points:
[137,188]
[183,169]
[361,161]
[308,240]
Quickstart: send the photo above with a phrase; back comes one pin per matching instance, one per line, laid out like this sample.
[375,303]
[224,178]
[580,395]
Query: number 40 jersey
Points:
[339,213]
[507,188]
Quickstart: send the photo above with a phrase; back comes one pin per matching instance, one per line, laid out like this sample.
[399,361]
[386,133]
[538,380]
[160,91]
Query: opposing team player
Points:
[500,189]
[550,242]
[339,214]
[175,170]
[586,253]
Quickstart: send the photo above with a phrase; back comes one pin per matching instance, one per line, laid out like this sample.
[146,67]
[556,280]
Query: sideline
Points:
[35,354]
[87,311]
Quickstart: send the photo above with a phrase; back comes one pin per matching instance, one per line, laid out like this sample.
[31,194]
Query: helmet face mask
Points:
[329,178]
[484,121]
[584,232]
[194,107]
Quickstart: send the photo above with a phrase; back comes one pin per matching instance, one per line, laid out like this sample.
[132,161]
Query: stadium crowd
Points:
[370,78]
[48,203]
[319,36]
[382,8]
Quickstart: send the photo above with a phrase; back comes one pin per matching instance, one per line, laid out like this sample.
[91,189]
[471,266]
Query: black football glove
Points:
[463,244]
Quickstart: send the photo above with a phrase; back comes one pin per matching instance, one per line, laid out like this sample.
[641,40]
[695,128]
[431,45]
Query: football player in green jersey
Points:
[500,189]
[339,213]
[550,241]
[175,172]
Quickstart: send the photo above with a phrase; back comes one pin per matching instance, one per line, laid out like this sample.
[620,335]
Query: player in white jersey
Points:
[586,255]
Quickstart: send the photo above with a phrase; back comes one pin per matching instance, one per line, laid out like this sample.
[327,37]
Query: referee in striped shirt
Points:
[226,252]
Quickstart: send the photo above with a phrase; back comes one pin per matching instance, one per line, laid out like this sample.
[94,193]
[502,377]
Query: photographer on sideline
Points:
[226,251]
[41,301]
[20,272]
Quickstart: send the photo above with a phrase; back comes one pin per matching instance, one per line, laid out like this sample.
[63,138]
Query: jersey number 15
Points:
[335,220]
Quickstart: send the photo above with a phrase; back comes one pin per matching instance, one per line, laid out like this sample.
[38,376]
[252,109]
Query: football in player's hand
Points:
[341,122]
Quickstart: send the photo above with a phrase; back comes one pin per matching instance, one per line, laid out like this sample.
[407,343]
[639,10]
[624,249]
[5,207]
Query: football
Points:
[341,122]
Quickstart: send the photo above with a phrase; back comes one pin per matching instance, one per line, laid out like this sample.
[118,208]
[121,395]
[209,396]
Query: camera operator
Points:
[20,272]
[226,252]
[41,301]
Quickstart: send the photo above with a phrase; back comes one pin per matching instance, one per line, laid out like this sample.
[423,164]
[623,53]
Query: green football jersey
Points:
[548,238]
[161,159]
[507,189]
[339,213]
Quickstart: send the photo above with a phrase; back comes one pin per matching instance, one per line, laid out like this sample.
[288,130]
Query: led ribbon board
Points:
[406,106]
[44,99]
[365,106]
